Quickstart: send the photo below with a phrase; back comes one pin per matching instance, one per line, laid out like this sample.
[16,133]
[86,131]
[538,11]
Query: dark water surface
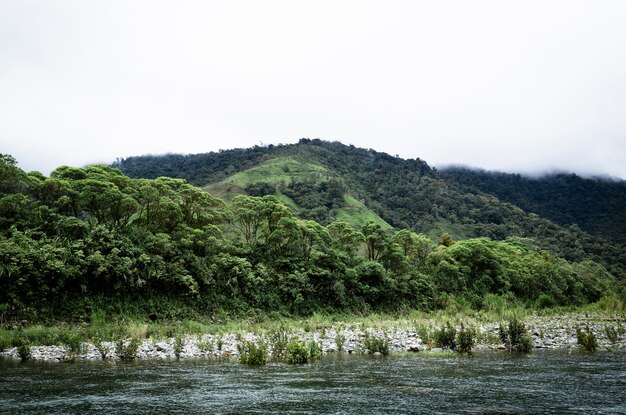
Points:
[491,383]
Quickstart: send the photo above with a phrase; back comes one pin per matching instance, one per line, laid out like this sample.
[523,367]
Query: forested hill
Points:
[91,240]
[597,205]
[572,217]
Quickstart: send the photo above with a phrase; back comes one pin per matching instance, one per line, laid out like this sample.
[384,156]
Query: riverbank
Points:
[401,336]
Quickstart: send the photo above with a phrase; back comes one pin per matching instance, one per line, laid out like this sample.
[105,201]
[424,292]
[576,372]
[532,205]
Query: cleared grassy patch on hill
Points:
[356,214]
[285,170]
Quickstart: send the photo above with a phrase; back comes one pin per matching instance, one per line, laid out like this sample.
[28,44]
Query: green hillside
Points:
[281,175]
[583,222]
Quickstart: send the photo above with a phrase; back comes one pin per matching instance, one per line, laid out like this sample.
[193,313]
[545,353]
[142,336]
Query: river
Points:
[550,382]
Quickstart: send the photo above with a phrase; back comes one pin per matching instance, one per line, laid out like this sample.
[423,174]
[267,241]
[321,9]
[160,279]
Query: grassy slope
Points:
[286,169]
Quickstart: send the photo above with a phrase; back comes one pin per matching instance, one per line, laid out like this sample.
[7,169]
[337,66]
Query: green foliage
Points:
[102,348]
[373,344]
[314,350]
[297,352]
[465,339]
[340,339]
[515,337]
[73,340]
[23,348]
[445,336]
[611,333]
[179,343]
[586,339]
[279,339]
[127,349]
[424,333]
[545,301]
[92,245]
[252,354]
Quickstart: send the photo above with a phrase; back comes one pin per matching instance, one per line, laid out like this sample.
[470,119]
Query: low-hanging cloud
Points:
[525,86]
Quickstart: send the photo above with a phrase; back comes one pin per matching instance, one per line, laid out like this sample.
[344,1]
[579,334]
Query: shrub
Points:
[586,339]
[524,344]
[296,353]
[424,334]
[279,340]
[611,333]
[5,340]
[23,348]
[373,344]
[315,350]
[127,350]
[445,336]
[465,340]
[515,336]
[545,301]
[251,354]
[340,339]
[102,347]
[178,346]
[73,340]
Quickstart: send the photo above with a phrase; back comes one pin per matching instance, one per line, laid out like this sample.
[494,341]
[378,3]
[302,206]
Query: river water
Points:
[551,382]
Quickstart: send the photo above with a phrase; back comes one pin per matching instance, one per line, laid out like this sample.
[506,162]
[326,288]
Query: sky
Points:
[517,86]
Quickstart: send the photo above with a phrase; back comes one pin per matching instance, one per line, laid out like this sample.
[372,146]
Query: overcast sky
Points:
[513,86]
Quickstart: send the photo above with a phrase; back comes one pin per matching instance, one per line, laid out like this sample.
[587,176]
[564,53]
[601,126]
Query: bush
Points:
[73,341]
[465,340]
[373,344]
[296,353]
[279,340]
[251,354]
[127,350]
[315,350]
[524,344]
[515,336]
[586,339]
[102,347]
[611,333]
[424,334]
[445,336]
[545,301]
[340,339]
[178,346]
[23,348]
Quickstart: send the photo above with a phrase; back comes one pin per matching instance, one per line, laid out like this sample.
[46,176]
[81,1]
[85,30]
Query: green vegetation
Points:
[127,349]
[586,339]
[252,354]
[340,339]
[279,339]
[90,245]
[374,344]
[445,336]
[179,343]
[465,339]
[515,336]
[297,353]
[570,217]
[611,333]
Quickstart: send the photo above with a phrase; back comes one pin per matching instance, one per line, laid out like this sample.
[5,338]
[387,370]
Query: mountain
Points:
[575,218]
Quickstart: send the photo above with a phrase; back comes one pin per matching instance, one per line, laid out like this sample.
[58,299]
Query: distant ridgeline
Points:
[291,230]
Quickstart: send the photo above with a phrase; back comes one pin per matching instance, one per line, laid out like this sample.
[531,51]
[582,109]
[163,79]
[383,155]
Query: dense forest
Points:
[570,217]
[596,205]
[93,238]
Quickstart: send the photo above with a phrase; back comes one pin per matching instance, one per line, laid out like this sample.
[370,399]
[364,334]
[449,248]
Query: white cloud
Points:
[522,86]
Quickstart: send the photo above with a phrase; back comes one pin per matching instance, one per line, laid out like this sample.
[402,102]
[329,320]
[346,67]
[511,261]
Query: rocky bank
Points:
[552,333]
